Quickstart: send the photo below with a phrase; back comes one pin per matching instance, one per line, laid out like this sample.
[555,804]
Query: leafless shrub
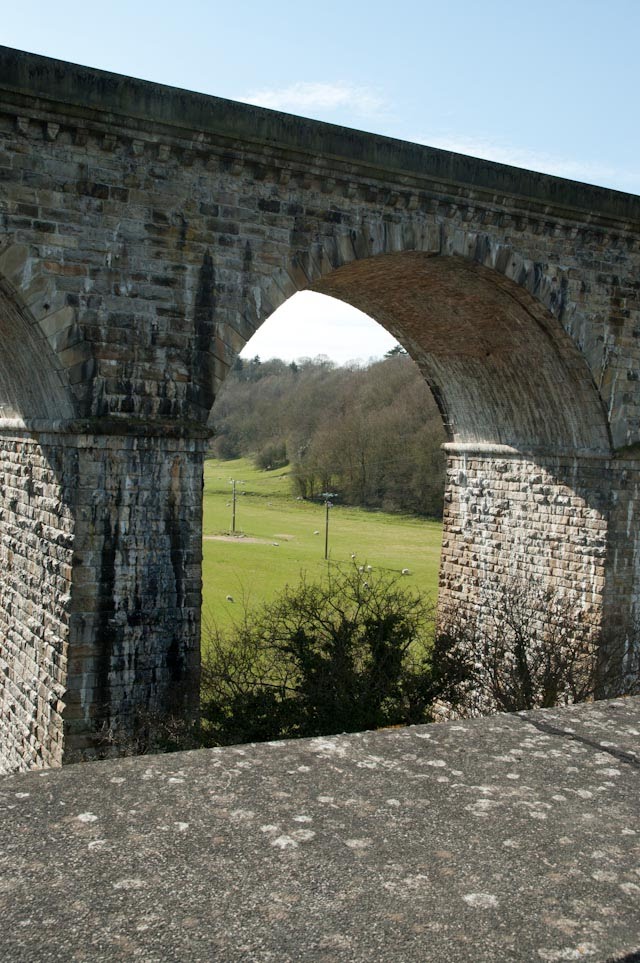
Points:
[533,649]
[149,732]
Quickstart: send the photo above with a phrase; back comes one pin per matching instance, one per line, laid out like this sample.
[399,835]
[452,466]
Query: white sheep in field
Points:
[229,598]
[405,571]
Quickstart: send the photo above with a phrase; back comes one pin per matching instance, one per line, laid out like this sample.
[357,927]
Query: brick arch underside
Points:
[501,367]
[31,385]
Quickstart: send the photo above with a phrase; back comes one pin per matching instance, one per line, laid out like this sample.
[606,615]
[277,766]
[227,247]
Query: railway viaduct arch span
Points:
[145,233]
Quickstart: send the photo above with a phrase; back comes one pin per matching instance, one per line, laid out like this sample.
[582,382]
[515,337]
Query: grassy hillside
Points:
[252,568]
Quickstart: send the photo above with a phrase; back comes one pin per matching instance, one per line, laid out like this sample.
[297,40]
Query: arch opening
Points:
[366,429]
[525,508]
[526,494]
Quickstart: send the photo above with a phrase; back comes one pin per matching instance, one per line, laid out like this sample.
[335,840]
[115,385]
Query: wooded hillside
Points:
[370,434]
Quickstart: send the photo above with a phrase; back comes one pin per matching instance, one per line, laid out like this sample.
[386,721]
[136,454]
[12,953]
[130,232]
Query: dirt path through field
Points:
[245,539]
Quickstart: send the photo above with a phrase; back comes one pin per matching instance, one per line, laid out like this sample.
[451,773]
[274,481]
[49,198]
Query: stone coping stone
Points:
[512,838]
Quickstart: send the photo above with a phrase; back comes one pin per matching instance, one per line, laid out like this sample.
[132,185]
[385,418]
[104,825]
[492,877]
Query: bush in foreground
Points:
[362,651]
[343,655]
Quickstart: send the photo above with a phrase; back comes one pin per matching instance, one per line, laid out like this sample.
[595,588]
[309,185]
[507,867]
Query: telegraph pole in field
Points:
[328,504]
[233,510]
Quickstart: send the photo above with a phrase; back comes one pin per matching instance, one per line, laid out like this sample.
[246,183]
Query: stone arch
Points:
[487,326]
[134,319]
[34,387]
[501,367]
[527,493]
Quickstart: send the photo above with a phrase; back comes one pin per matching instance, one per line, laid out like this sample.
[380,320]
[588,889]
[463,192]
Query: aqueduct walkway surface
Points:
[514,838]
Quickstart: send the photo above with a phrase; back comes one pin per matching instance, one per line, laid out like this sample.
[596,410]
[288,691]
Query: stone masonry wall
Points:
[36,485]
[152,253]
[621,609]
[100,592]
[137,589]
[512,520]
[560,523]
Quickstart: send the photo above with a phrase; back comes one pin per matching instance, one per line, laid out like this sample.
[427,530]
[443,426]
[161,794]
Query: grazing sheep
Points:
[369,568]
[316,532]
[277,544]
[405,571]
[353,555]
[229,598]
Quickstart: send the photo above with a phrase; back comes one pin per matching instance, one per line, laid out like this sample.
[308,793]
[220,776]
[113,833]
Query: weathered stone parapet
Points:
[148,118]
[513,838]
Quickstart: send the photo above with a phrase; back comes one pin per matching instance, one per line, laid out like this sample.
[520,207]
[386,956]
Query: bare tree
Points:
[533,649]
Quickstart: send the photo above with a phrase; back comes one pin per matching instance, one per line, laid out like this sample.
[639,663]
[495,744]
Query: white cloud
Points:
[310,97]
[541,161]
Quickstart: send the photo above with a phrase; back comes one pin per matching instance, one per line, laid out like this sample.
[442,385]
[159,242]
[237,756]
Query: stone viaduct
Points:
[145,233]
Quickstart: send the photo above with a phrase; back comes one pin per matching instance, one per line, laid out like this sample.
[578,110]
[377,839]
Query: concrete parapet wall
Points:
[514,838]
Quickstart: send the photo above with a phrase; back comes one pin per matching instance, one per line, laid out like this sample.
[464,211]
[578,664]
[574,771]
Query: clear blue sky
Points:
[552,86]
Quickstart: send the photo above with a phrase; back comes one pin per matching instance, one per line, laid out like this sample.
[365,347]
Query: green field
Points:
[251,568]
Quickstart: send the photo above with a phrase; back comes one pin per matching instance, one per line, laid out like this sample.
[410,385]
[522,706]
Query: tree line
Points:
[371,434]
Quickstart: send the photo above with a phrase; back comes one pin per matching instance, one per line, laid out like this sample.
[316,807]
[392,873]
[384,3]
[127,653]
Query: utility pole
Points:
[328,504]
[233,482]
